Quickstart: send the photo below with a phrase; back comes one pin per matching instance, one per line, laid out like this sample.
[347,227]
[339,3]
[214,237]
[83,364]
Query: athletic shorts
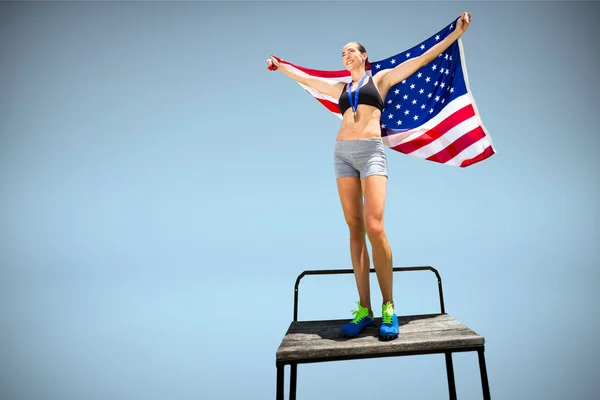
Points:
[361,158]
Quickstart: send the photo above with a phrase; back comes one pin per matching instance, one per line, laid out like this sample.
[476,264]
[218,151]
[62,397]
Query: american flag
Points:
[432,114]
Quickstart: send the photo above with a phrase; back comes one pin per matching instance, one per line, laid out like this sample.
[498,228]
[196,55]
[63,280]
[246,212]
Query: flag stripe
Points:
[487,153]
[337,75]
[342,75]
[452,150]
[333,107]
[470,152]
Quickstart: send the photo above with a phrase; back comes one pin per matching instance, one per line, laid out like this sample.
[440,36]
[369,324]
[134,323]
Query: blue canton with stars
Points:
[414,101]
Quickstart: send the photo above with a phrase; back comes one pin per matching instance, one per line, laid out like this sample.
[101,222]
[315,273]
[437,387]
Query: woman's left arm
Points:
[388,78]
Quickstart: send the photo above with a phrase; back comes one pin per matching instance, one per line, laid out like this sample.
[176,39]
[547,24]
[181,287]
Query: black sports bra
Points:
[368,95]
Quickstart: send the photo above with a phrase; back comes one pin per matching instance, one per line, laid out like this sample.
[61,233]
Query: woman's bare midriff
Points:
[366,125]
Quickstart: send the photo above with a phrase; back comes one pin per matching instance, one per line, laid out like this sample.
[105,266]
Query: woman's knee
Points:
[374,228]
[356,226]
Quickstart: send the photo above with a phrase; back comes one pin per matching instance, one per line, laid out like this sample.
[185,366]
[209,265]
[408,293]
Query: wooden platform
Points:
[317,341]
[322,341]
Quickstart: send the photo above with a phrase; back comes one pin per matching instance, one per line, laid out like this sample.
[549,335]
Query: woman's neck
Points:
[357,75]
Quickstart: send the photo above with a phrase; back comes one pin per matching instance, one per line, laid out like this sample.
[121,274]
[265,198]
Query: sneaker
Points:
[389,323]
[361,320]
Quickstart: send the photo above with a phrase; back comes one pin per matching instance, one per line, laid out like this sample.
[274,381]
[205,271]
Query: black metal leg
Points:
[484,378]
[279,381]
[293,378]
[450,372]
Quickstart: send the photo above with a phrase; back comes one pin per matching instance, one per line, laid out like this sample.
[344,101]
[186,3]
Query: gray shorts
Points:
[359,158]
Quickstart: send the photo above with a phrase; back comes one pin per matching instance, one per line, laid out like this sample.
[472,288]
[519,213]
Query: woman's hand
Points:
[272,63]
[463,23]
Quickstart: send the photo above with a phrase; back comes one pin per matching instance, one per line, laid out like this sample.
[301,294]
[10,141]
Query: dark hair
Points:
[362,50]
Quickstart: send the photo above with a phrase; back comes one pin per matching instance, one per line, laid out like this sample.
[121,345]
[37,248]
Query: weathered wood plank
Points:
[352,347]
[308,340]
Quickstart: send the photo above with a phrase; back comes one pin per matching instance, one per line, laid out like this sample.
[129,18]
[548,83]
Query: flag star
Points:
[396,91]
[421,91]
[437,37]
[412,86]
[397,106]
[447,71]
[404,81]
[427,79]
[440,55]
[391,116]
[451,90]
[399,122]
[429,95]
[435,84]
[378,66]
[430,110]
[443,101]
[419,75]
[446,57]
[393,61]
[390,101]
[406,112]
[452,26]
[434,67]
[422,106]
[450,58]
[442,85]
[416,117]
[407,55]
[414,101]
[437,98]
[405,96]
[422,46]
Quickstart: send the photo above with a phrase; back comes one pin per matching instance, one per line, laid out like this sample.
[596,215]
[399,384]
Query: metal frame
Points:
[447,353]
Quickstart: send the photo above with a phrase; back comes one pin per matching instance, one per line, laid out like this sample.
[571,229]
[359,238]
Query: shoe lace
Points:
[386,315]
[359,314]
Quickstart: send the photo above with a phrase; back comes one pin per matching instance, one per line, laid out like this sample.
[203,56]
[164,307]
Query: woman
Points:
[361,168]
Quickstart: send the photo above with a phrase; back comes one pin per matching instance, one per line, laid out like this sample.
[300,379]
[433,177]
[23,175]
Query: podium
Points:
[322,341]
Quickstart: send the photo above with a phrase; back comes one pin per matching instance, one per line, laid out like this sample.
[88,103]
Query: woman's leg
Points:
[349,189]
[374,189]
[350,192]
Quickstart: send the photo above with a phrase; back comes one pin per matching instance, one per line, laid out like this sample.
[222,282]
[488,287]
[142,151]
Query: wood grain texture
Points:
[306,340]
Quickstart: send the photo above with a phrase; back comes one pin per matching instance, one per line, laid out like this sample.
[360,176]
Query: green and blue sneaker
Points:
[389,323]
[361,320]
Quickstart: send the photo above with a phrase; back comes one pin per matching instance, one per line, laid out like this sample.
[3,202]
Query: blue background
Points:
[161,190]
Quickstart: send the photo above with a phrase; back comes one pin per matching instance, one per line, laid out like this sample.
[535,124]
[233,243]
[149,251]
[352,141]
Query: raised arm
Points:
[330,88]
[388,78]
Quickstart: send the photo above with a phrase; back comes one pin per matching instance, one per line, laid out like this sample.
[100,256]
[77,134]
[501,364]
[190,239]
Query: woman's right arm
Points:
[327,87]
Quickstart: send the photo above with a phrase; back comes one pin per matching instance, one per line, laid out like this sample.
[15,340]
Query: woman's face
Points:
[351,56]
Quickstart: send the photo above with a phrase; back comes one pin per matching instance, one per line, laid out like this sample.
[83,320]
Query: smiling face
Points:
[354,56]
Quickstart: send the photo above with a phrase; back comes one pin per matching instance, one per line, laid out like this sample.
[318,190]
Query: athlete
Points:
[361,168]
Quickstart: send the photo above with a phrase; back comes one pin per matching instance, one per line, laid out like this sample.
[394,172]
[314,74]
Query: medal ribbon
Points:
[355,105]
